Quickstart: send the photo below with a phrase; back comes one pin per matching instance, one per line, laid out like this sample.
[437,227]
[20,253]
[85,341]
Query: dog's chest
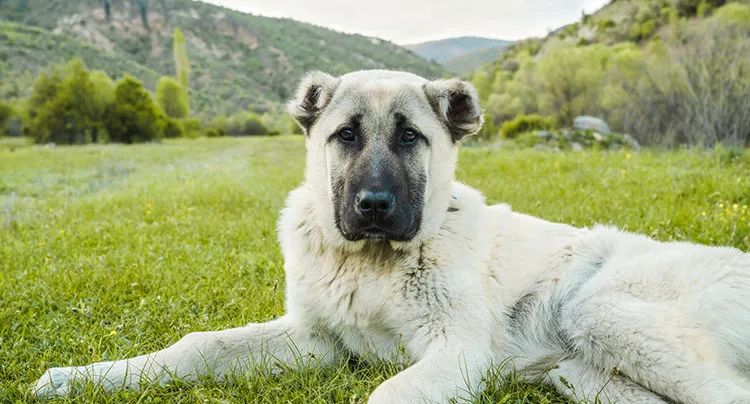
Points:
[375,299]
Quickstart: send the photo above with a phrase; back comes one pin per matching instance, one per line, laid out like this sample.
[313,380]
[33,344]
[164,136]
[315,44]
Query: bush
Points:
[134,117]
[603,25]
[173,128]
[525,123]
[193,127]
[172,98]
[733,14]
[6,112]
[511,65]
[215,132]
[246,124]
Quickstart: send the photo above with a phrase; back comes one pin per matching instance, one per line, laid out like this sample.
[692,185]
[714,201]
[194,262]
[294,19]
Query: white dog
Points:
[385,252]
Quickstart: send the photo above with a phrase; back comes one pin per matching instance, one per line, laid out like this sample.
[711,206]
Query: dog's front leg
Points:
[451,371]
[283,341]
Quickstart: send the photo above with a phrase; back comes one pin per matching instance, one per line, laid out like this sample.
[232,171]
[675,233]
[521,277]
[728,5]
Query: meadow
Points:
[113,251]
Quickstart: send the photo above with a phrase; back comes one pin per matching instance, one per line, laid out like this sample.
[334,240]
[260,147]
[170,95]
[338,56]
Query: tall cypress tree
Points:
[181,63]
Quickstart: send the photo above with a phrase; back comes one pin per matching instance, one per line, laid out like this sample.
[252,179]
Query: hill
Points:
[444,50]
[467,62]
[668,72]
[237,60]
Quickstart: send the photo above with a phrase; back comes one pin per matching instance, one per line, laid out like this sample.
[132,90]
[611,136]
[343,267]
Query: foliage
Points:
[603,25]
[652,74]
[68,107]
[119,252]
[134,117]
[246,124]
[193,127]
[215,132]
[181,63]
[488,132]
[173,128]
[701,97]
[6,112]
[525,123]
[733,14]
[172,97]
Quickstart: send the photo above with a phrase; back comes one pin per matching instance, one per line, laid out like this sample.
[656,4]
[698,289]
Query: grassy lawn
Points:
[113,251]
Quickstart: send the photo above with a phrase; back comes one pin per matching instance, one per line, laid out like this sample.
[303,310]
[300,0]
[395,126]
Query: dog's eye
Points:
[346,134]
[409,136]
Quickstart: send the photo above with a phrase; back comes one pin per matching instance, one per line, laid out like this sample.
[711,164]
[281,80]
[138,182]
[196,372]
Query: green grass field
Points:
[113,251]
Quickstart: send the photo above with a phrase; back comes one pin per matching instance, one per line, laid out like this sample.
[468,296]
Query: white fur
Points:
[598,313]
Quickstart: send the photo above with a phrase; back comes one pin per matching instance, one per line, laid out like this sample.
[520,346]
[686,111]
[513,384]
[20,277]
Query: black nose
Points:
[371,204]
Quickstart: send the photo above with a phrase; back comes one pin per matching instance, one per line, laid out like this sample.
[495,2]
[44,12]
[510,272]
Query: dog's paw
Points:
[55,382]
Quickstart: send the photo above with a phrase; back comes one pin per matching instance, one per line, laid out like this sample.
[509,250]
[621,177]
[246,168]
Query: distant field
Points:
[112,251]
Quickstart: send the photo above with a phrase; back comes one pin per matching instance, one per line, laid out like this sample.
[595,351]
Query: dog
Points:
[387,257]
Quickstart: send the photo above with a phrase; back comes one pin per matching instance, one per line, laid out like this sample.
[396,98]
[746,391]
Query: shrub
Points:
[6,112]
[511,65]
[733,14]
[134,117]
[525,123]
[215,132]
[172,98]
[173,128]
[603,25]
[246,124]
[193,127]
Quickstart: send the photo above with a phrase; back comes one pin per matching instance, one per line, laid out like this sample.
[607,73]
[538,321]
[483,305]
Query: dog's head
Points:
[382,149]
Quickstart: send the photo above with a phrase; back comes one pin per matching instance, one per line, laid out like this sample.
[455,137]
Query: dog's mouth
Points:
[375,233]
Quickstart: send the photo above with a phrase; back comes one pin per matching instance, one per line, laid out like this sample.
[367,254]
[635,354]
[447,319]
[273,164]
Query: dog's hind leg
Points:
[215,354]
[654,344]
[582,382]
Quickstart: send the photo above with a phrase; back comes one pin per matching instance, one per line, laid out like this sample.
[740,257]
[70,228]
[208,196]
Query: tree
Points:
[134,117]
[64,107]
[107,10]
[172,97]
[569,75]
[182,66]
[143,10]
[181,63]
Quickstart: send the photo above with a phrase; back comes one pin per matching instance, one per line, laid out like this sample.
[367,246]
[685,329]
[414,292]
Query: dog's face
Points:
[381,144]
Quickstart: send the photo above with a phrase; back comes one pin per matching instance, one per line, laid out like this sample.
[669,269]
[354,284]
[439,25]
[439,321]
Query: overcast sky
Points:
[410,21]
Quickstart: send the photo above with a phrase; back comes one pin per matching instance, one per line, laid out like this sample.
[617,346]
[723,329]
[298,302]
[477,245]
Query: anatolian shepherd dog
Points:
[385,252]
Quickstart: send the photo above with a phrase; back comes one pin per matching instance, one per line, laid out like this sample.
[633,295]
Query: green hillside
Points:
[237,60]
[667,72]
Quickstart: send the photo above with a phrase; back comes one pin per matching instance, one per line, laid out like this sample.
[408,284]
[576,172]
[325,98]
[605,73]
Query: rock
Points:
[576,146]
[631,142]
[597,136]
[592,123]
[545,135]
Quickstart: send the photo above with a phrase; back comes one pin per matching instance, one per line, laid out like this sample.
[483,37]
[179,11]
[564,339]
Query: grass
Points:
[114,251]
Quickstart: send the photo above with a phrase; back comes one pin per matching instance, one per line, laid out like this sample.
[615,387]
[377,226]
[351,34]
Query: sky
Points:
[412,21]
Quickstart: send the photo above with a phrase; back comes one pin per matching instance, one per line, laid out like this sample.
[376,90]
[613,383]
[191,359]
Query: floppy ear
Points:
[313,94]
[457,103]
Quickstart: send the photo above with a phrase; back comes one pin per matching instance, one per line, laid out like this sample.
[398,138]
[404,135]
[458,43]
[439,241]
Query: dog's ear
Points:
[457,103]
[313,94]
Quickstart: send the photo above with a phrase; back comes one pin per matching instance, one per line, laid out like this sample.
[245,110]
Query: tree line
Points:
[70,104]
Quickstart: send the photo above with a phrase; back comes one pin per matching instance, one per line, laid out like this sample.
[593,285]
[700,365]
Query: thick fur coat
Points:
[598,313]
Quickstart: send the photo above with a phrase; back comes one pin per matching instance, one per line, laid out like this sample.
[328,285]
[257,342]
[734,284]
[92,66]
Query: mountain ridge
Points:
[238,60]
